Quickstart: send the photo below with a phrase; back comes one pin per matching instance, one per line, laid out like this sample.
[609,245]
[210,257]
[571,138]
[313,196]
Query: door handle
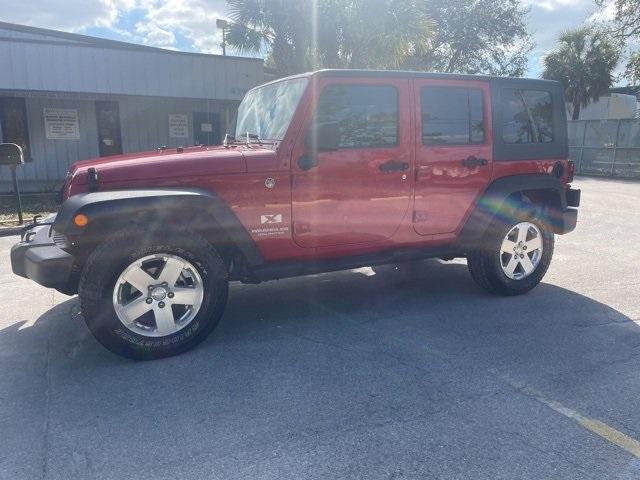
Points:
[393,166]
[473,161]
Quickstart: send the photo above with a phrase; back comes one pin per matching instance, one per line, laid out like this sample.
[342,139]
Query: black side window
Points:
[452,116]
[527,116]
[367,115]
[13,123]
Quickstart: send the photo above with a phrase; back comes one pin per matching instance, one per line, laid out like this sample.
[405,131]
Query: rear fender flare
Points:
[498,202]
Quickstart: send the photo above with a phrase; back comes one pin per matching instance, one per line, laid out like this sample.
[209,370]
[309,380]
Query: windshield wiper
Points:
[247,139]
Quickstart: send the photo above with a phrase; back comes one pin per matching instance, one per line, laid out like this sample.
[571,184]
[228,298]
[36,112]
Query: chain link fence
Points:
[608,148]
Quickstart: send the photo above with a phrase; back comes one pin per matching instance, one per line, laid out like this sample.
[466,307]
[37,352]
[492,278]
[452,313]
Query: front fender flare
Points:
[131,204]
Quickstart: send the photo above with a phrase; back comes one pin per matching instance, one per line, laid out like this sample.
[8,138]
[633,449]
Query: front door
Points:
[206,128]
[360,192]
[108,119]
[454,152]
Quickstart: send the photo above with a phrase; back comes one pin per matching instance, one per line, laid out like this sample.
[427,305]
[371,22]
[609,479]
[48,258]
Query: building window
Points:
[528,116]
[452,116]
[13,123]
[367,115]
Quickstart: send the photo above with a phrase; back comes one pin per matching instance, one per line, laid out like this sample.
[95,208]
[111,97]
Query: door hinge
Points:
[301,227]
[420,216]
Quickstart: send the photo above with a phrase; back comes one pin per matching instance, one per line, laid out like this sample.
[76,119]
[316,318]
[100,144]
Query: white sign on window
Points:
[61,124]
[178,125]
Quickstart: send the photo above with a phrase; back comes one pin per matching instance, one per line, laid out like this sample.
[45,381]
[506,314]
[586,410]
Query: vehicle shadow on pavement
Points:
[352,374]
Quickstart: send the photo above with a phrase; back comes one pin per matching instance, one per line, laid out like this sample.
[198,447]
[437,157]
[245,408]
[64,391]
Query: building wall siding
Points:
[79,67]
[144,125]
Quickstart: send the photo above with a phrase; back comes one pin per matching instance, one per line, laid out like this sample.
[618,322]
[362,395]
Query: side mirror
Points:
[11,154]
[323,138]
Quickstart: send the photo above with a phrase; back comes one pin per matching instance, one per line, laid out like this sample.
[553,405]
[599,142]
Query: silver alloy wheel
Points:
[158,295]
[521,251]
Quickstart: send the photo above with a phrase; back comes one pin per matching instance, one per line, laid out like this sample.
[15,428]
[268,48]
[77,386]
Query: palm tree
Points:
[583,62]
[306,34]
[382,33]
[279,26]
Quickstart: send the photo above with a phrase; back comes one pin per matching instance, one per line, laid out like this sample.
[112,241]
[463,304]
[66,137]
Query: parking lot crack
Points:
[47,406]
[369,352]
[527,443]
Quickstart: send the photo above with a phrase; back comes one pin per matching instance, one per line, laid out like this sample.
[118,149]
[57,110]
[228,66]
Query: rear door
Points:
[454,152]
[360,192]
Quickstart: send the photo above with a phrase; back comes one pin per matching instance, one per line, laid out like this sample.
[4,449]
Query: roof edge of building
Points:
[108,43]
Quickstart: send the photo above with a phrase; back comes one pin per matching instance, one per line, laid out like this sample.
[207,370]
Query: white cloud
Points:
[605,14]
[154,35]
[552,5]
[67,15]
[193,19]
[549,18]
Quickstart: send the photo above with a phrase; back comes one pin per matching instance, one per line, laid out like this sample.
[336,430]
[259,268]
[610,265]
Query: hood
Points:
[163,164]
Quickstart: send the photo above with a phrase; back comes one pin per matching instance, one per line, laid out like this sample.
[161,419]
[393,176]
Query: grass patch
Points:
[32,205]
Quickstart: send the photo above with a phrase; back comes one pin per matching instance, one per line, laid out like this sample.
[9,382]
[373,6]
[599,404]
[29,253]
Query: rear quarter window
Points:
[527,116]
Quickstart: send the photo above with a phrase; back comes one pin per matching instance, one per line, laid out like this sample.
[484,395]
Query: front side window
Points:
[366,115]
[13,123]
[267,111]
[527,116]
[452,116]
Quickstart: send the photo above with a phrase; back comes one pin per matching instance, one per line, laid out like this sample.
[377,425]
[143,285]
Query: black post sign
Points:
[11,155]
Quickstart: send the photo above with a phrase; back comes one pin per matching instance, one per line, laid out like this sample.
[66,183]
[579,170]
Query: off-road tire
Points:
[484,262]
[110,258]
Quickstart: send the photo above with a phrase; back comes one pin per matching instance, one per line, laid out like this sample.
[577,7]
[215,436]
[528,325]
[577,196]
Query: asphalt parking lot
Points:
[397,373]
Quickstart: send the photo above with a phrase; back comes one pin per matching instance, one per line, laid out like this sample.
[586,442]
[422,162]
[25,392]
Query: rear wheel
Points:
[514,257]
[153,299]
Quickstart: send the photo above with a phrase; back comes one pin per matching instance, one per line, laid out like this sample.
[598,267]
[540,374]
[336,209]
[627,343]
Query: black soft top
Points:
[414,74]
[502,151]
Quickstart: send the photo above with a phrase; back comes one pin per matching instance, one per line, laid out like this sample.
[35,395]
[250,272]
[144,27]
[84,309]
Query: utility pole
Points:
[222,25]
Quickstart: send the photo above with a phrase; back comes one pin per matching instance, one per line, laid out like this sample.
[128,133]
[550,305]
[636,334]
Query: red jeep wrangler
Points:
[327,170]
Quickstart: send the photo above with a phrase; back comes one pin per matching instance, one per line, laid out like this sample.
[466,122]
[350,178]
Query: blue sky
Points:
[190,24]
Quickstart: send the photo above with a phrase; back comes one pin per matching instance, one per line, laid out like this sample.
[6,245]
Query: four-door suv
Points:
[328,170]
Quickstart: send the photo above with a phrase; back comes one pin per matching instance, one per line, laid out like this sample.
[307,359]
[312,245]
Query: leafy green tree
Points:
[632,71]
[470,36]
[625,26]
[583,62]
[626,17]
[477,36]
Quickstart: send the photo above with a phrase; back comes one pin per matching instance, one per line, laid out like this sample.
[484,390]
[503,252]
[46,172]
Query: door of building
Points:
[13,123]
[206,128]
[108,120]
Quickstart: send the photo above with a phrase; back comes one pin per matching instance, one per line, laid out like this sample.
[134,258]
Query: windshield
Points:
[267,111]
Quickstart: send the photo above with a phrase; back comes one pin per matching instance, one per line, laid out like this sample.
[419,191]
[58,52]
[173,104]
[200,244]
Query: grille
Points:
[60,239]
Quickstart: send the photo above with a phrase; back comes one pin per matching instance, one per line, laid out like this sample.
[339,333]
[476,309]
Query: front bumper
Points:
[39,257]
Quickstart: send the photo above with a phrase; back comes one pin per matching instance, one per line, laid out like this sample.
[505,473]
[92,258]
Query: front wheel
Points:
[155,298]
[514,257]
